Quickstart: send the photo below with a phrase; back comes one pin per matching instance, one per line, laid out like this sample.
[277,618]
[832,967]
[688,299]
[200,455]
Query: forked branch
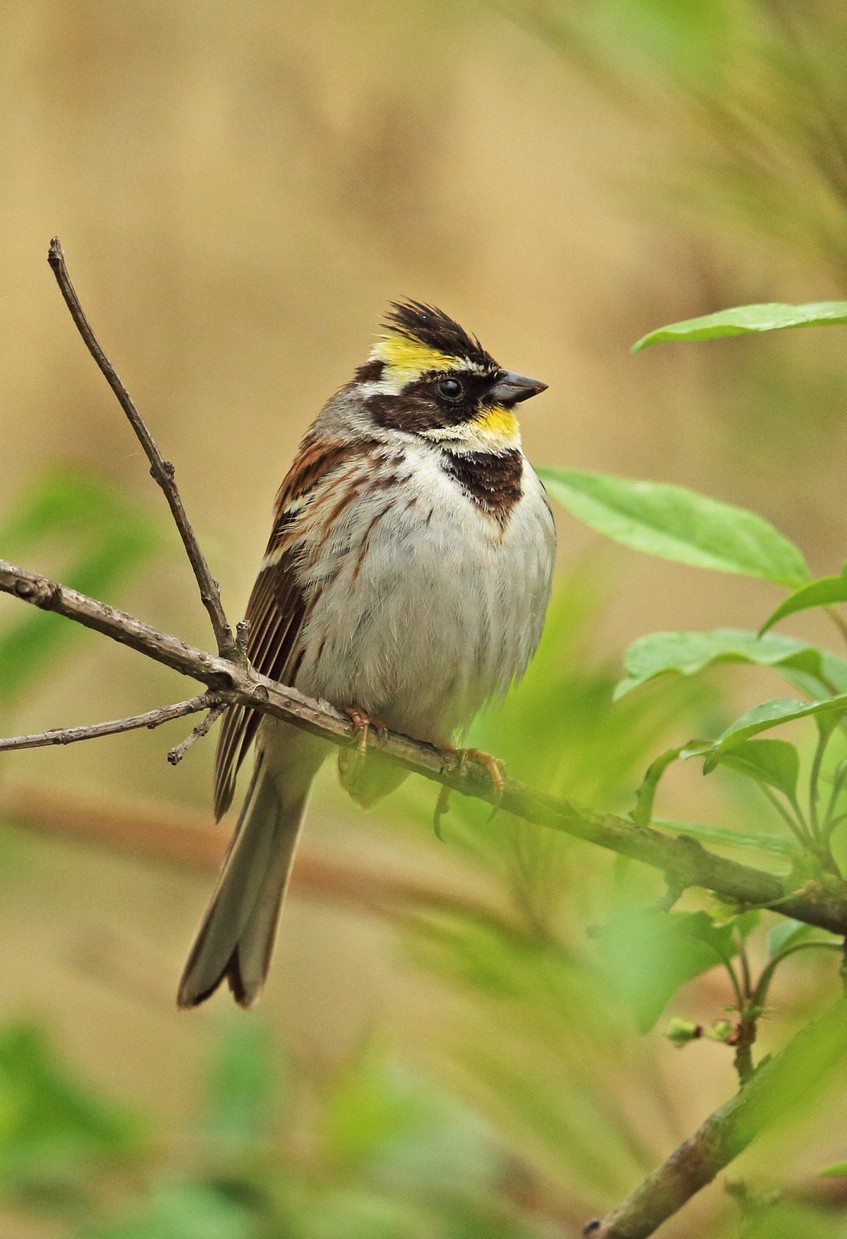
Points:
[91,731]
[787,1080]
[161,470]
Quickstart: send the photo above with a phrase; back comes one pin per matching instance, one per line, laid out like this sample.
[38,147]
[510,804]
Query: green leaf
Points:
[649,955]
[771,316]
[776,845]
[771,714]
[820,593]
[773,762]
[745,922]
[675,523]
[103,540]
[643,811]
[836,1170]
[786,933]
[688,653]
[54,1131]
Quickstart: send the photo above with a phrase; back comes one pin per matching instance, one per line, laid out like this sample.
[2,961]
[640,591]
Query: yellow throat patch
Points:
[498,424]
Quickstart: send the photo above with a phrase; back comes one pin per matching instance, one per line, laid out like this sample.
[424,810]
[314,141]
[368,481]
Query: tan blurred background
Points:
[240,188]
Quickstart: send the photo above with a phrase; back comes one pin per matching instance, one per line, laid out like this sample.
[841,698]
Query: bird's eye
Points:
[450,389]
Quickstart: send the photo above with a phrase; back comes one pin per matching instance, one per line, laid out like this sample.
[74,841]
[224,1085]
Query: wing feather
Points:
[277,608]
[275,614]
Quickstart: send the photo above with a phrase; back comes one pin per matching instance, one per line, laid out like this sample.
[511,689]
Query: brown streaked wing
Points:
[275,614]
[277,608]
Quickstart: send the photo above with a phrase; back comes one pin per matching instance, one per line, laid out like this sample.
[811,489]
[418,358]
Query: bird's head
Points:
[428,377]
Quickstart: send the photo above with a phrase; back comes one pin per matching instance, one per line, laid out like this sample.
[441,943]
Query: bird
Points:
[406,581]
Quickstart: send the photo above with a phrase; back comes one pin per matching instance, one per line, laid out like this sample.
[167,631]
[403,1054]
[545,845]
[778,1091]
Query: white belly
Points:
[441,610]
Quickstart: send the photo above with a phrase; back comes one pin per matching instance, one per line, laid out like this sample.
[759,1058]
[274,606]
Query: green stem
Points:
[739,993]
[824,733]
[745,966]
[795,825]
[829,823]
[760,994]
[836,821]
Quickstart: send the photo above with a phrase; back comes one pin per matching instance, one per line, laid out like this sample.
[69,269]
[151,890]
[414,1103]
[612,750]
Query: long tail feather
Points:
[237,933]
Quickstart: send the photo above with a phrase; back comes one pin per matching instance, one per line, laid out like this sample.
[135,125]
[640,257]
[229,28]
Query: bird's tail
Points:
[236,937]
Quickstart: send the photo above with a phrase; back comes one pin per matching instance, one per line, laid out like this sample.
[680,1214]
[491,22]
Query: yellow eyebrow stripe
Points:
[407,359]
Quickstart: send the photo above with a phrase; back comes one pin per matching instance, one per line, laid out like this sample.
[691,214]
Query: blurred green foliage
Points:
[385,1156]
[540,1098]
[56,1135]
[99,540]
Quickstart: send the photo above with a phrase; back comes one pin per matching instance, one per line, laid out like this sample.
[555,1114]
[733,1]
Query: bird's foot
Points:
[366,780]
[496,769]
[496,772]
[362,724]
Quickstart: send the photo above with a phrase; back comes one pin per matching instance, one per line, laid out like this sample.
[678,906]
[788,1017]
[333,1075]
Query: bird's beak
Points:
[512,388]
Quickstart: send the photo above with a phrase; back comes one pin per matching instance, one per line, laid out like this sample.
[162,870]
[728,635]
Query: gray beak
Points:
[511,388]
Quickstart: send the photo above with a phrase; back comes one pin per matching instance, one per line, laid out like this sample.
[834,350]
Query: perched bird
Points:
[406,579]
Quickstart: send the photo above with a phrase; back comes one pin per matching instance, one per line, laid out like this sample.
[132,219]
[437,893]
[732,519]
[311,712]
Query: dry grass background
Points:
[240,188]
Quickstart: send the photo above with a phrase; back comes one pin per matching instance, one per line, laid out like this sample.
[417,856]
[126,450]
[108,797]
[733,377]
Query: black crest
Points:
[435,329]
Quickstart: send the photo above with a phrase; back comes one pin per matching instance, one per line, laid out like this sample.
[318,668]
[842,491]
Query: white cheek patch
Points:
[469,438]
[494,430]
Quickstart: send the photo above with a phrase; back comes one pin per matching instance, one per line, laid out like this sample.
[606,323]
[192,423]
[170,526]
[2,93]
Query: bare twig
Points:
[176,754]
[91,731]
[684,861]
[161,470]
[779,1084]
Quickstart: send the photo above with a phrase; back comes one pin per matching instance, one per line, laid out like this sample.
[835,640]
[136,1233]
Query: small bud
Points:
[721,1030]
[680,1032]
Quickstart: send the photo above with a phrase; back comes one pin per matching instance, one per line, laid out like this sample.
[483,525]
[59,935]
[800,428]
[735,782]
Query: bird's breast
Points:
[421,605]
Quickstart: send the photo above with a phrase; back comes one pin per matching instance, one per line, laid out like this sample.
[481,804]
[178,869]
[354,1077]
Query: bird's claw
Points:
[442,806]
[362,724]
[496,772]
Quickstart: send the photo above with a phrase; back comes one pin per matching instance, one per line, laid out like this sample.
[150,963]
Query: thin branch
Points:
[780,1084]
[161,470]
[92,731]
[176,754]
[684,861]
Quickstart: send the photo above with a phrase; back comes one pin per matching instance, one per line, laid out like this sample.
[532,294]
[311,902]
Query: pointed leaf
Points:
[643,811]
[743,923]
[786,933]
[773,762]
[687,653]
[772,714]
[770,316]
[675,523]
[821,593]
[649,955]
